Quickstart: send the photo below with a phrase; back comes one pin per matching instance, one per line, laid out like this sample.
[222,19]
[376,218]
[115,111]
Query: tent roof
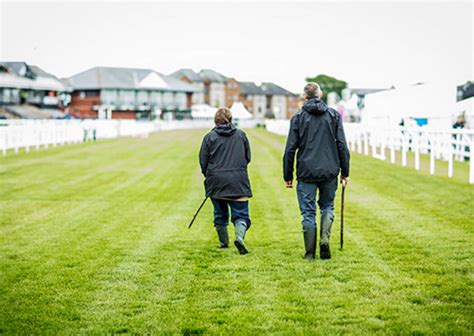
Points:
[239,111]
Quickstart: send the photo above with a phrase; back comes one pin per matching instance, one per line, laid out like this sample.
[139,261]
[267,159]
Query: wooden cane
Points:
[197,212]
[342,216]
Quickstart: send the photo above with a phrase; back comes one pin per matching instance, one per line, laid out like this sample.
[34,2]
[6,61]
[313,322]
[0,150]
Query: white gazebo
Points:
[239,111]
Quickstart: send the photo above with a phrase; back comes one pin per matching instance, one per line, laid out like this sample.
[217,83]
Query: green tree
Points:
[328,84]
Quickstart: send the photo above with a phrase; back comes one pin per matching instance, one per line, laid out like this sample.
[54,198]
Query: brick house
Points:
[192,78]
[253,98]
[217,90]
[280,103]
[213,88]
[127,93]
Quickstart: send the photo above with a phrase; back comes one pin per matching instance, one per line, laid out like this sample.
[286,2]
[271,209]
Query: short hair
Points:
[223,116]
[312,90]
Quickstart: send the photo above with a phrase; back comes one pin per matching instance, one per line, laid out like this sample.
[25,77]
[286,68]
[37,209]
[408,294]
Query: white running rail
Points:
[385,142]
[27,134]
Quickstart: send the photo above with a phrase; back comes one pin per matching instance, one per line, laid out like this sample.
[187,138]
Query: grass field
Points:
[94,240]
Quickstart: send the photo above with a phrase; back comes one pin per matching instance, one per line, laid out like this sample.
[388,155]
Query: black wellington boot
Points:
[223,236]
[240,229]
[326,223]
[309,235]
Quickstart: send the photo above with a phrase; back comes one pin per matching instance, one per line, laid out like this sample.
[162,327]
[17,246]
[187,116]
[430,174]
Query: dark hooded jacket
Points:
[224,156]
[316,133]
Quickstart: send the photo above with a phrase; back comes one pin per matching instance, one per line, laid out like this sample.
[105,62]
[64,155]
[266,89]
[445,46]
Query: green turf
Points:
[94,240]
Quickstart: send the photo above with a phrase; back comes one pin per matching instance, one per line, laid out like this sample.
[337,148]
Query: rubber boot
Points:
[309,235]
[326,223]
[223,236]
[240,229]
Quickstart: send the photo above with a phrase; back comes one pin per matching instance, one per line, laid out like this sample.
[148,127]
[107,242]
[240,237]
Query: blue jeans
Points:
[239,211]
[307,200]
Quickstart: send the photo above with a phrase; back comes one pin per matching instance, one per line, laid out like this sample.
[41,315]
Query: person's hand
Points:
[289,184]
[344,180]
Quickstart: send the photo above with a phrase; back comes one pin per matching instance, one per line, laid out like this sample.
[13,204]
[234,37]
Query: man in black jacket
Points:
[224,156]
[316,134]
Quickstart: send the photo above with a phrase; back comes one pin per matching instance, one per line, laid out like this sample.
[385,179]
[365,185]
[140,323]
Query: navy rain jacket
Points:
[316,133]
[224,156]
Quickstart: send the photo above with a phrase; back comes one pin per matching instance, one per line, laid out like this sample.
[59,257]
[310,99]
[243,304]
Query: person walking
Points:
[224,156]
[317,138]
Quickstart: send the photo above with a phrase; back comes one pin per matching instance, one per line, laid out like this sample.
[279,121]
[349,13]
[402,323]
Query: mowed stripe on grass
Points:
[94,239]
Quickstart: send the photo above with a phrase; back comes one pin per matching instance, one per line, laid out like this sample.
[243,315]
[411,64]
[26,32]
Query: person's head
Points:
[312,90]
[223,116]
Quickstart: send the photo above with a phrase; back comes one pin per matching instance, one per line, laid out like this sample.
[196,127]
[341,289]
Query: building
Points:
[268,100]
[213,88]
[254,99]
[26,91]
[280,103]
[191,77]
[127,93]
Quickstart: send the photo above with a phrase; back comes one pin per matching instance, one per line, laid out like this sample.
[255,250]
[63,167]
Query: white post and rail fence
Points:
[35,134]
[381,142]
[386,143]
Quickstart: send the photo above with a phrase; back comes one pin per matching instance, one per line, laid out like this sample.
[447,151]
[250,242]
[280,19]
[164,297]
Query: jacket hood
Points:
[315,106]
[225,130]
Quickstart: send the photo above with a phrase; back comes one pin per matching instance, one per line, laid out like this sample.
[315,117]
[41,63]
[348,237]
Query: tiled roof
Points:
[189,73]
[126,78]
[213,76]
[250,88]
[273,89]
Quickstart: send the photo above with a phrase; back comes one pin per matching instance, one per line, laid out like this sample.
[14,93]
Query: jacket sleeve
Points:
[292,144]
[247,149]
[342,149]
[204,155]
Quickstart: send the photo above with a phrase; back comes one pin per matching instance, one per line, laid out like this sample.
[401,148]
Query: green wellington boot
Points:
[309,235]
[240,229]
[223,235]
[326,223]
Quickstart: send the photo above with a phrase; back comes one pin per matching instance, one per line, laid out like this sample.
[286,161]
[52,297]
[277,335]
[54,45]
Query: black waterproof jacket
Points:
[224,156]
[316,133]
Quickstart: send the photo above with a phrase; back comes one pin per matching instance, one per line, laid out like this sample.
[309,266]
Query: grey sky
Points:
[367,44]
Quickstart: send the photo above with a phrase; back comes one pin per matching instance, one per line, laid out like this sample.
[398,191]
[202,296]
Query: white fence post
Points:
[432,156]
[404,149]
[366,143]
[471,165]
[392,146]
[416,140]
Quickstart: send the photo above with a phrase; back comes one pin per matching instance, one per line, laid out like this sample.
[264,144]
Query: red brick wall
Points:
[248,103]
[189,99]
[232,91]
[83,107]
[123,115]
[294,104]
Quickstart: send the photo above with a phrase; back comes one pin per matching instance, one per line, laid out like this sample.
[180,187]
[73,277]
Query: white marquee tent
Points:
[240,112]
[435,103]
[203,111]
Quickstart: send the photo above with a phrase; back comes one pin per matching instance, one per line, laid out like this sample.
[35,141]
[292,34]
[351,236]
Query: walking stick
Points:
[342,216]
[197,212]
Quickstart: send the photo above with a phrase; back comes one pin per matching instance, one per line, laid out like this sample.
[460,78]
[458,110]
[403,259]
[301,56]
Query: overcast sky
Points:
[368,44]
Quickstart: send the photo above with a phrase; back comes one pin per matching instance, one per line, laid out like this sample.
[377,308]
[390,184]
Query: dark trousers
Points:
[239,211]
[307,200]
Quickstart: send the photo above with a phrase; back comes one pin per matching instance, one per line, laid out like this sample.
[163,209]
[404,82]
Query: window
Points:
[156,99]
[108,97]
[181,101]
[142,98]
[168,100]
[127,97]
